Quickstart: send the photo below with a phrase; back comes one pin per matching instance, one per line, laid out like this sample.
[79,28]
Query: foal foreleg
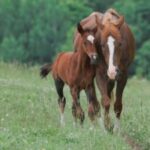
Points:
[94,106]
[77,111]
[118,103]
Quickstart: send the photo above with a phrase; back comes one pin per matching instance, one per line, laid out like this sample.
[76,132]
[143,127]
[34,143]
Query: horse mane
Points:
[110,16]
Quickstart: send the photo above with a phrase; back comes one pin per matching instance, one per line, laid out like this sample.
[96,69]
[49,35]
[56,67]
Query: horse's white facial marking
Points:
[90,38]
[111,46]
[111,67]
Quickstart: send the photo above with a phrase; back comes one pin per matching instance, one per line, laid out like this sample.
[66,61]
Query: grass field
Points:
[29,115]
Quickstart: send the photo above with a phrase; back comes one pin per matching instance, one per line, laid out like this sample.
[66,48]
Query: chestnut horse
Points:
[77,69]
[116,47]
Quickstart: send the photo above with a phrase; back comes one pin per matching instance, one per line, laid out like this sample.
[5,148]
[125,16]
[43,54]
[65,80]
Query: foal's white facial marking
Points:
[111,67]
[90,38]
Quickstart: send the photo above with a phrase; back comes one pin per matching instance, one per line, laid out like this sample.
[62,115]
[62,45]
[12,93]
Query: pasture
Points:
[29,115]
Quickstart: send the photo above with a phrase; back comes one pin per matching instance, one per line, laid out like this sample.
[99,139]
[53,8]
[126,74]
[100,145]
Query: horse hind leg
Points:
[59,84]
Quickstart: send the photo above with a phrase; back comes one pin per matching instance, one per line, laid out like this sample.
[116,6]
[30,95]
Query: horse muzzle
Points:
[94,59]
[113,73]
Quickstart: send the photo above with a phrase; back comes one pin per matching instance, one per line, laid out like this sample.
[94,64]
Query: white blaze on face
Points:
[90,38]
[111,68]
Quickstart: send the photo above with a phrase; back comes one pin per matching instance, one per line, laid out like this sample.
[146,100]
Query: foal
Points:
[77,69]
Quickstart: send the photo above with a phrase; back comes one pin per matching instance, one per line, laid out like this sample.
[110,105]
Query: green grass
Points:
[29,115]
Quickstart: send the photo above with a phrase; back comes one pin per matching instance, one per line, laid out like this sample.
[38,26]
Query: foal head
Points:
[111,45]
[88,43]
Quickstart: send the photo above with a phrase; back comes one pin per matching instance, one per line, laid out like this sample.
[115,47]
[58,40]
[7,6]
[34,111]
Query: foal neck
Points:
[83,58]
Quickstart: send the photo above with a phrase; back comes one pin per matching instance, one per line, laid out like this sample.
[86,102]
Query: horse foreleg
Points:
[118,103]
[94,106]
[102,84]
[77,111]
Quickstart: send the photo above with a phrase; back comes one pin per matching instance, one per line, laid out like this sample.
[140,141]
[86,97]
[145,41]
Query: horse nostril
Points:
[94,59]
[95,56]
[118,73]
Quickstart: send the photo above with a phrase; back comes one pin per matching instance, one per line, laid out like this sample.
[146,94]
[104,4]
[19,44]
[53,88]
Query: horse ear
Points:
[80,29]
[99,22]
[120,22]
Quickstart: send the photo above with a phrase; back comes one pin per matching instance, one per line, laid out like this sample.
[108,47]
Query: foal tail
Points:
[45,70]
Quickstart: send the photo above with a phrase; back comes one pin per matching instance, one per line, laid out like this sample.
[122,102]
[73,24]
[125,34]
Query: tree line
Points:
[34,31]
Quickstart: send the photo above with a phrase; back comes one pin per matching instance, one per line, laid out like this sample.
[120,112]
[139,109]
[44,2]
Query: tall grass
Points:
[29,115]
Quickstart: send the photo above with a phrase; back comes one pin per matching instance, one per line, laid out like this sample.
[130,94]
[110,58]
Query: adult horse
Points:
[77,69]
[116,46]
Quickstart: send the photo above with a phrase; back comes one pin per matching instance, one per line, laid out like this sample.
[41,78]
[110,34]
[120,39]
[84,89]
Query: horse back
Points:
[61,65]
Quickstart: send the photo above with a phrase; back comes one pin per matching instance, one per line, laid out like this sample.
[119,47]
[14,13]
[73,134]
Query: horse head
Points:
[110,41]
[88,43]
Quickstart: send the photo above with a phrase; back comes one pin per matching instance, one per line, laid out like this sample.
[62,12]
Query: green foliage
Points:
[99,5]
[68,45]
[37,25]
[143,58]
[33,31]
[11,49]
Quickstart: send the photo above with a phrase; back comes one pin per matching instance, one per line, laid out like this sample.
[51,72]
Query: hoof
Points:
[82,117]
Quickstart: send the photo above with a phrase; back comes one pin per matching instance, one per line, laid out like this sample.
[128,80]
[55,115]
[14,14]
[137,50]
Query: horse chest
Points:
[87,78]
[82,78]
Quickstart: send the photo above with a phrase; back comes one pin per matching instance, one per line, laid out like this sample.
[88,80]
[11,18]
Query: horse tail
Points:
[45,70]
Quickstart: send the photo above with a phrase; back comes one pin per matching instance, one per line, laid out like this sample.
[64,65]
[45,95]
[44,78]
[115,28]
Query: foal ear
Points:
[99,22]
[80,29]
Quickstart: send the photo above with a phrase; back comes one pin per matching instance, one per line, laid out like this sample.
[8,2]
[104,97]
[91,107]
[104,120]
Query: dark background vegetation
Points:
[34,31]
